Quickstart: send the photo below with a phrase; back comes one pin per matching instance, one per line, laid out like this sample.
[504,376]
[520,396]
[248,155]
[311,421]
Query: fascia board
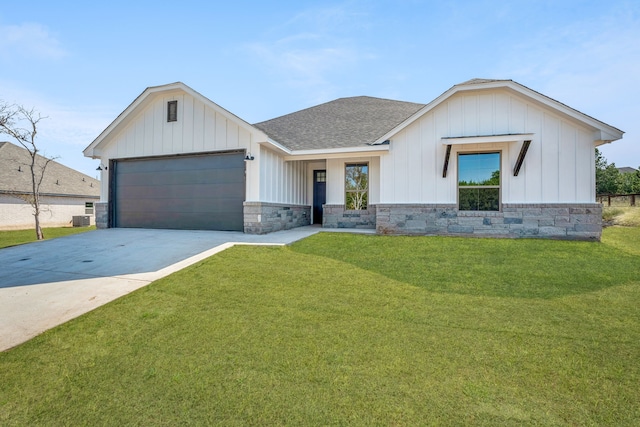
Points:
[603,137]
[614,132]
[258,134]
[565,109]
[430,106]
[275,146]
[335,153]
[90,150]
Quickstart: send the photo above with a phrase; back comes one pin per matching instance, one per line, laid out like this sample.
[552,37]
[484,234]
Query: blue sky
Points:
[82,63]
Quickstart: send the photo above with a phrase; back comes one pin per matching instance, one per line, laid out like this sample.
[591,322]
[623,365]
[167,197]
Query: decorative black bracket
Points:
[523,152]
[446,161]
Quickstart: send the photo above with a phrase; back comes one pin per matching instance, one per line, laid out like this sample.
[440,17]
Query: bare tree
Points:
[22,125]
[357,185]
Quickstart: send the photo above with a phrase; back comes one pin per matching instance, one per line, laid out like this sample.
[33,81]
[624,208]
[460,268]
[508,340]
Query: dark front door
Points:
[319,194]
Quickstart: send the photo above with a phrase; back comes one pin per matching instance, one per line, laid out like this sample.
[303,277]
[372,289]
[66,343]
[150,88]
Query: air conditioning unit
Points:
[81,221]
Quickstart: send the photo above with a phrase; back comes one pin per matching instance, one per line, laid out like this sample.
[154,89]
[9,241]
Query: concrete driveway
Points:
[44,284]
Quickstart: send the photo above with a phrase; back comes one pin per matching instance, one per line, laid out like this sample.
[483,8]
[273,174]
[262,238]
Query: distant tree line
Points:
[609,180]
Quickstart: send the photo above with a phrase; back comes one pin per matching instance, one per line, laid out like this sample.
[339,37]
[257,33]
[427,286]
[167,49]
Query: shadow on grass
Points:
[522,268]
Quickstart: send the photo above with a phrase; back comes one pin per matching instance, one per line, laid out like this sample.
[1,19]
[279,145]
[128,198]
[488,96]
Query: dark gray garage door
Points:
[203,192]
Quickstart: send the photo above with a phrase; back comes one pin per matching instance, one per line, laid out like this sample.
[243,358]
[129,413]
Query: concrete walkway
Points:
[44,284]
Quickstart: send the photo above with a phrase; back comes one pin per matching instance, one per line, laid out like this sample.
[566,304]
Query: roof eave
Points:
[609,133]
[604,133]
[333,153]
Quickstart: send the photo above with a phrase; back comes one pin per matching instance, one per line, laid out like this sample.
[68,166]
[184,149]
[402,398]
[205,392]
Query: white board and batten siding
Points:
[412,170]
[281,181]
[199,128]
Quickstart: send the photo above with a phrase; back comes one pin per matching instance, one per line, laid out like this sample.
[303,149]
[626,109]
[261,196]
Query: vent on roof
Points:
[172,111]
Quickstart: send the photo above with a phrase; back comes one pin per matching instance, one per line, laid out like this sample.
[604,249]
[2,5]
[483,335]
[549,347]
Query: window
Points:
[172,111]
[479,181]
[357,186]
[321,176]
[88,208]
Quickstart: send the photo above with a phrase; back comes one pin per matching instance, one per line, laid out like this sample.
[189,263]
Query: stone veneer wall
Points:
[335,216]
[262,218]
[545,220]
[101,210]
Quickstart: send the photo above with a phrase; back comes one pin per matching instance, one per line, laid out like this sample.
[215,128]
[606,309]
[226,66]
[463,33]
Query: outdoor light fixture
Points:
[248,157]
[99,168]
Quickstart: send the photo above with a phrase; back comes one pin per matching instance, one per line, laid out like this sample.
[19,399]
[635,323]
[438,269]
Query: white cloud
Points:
[29,40]
[591,66]
[312,47]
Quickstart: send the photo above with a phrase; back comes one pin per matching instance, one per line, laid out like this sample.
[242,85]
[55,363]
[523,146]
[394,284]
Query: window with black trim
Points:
[172,111]
[88,208]
[479,181]
[356,186]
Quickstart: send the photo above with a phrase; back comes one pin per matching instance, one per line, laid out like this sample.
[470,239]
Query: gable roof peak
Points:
[476,81]
[147,96]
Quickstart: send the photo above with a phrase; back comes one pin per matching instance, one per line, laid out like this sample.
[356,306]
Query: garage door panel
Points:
[185,192]
[224,222]
[206,162]
[186,206]
[181,177]
[180,192]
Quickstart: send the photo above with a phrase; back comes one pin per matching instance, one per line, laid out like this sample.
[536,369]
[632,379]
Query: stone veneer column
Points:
[101,214]
[262,217]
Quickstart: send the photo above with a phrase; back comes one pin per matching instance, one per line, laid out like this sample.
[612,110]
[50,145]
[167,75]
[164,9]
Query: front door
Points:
[319,194]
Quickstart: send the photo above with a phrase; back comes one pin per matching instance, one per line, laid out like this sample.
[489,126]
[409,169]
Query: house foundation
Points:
[555,221]
[336,216]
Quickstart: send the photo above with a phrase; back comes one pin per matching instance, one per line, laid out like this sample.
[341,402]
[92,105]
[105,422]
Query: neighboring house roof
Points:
[59,180]
[345,122]
[627,169]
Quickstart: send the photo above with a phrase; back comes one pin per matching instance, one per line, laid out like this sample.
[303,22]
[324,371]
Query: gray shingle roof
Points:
[627,169]
[345,122]
[59,180]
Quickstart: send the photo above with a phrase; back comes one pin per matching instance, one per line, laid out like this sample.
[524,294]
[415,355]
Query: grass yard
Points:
[343,329]
[19,237]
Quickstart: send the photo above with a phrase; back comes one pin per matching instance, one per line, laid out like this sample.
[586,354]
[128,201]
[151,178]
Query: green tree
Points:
[607,176]
[629,183]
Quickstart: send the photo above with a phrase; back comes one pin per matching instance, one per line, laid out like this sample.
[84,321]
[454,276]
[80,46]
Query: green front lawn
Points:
[19,237]
[343,329]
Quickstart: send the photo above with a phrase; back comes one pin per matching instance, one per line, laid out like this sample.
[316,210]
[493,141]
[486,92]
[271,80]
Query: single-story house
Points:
[64,193]
[487,157]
